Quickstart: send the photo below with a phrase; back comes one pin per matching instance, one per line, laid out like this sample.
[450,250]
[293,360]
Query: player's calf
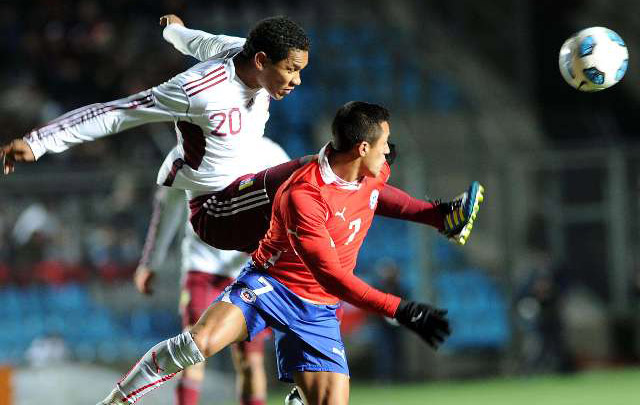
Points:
[157,366]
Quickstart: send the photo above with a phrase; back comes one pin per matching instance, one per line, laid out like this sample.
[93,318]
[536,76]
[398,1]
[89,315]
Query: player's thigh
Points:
[323,388]
[220,325]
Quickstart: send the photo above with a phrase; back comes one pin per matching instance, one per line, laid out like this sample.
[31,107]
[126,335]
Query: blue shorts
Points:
[307,336]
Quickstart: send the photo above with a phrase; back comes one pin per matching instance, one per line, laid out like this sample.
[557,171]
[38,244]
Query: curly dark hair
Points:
[275,36]
[355,122]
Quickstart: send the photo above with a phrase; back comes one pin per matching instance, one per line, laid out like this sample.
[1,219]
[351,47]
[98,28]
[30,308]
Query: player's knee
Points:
[202,339]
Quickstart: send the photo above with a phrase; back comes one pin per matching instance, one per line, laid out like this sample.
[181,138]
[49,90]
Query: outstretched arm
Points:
[395,203]
[164,103]
[169,214]
[454,219]
[199,44]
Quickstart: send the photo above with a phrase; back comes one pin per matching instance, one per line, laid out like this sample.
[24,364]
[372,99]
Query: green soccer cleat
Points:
[460,213]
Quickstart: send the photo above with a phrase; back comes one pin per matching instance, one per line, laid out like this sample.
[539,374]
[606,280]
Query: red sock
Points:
[253,401]
[187,392]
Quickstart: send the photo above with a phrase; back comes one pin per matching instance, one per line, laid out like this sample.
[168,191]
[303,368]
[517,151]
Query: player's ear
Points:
[260,59]
[363,148]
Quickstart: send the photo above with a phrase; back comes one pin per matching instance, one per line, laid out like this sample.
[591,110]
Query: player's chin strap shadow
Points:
[393,153]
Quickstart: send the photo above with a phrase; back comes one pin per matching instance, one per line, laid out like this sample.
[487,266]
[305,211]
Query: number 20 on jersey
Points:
[226,122]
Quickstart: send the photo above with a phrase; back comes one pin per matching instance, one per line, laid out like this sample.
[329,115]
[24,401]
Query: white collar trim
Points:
[329,177]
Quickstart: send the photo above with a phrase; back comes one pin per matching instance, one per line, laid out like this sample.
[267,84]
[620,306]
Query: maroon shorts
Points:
[237,217]
[199,289]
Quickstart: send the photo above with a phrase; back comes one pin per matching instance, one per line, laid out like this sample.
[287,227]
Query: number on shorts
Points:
[267,287]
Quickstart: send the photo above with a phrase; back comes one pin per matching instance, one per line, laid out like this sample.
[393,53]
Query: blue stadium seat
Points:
[477,309]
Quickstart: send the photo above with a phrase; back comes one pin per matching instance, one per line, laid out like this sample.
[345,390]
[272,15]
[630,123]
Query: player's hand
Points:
[16,151]
[143,279]
[430,323]
[170,19]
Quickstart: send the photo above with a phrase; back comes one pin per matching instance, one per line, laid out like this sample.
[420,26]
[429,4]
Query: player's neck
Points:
[245,72]
[345,166]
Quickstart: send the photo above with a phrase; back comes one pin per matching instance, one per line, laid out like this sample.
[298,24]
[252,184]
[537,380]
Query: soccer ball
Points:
[593,59]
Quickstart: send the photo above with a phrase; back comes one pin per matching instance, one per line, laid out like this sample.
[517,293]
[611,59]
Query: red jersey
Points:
[318,224]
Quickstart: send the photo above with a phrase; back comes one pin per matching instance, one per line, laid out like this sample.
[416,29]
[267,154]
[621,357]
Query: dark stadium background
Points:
[548,285]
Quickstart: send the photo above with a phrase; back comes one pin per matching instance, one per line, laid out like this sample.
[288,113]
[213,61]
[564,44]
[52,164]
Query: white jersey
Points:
[218,119]
[171,212]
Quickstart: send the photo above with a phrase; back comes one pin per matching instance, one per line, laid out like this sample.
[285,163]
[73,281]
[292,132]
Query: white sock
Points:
[159,365]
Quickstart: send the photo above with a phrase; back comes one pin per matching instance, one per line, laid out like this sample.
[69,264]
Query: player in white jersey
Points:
[206,271]
[219,106]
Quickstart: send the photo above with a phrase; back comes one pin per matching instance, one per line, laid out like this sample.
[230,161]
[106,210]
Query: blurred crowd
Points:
[73,240]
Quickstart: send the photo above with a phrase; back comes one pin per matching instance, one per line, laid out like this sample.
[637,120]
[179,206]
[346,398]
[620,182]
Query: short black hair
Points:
[356,122]
[275,36]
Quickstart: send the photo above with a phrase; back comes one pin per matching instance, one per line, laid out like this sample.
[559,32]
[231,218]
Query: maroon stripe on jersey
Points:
[204,77]
[88,108]
[193,143]
[63,122]
[211,85]
[206,81]
[177,165]
[90,114]
[92,109]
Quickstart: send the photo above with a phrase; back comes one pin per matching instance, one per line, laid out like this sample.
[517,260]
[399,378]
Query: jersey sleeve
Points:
[305,219]
[168,216]
[199,44]
[395,203]
[163,103]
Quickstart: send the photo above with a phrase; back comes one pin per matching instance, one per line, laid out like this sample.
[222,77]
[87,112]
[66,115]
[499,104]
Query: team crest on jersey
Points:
[248,295]
[373,199]
[245,183]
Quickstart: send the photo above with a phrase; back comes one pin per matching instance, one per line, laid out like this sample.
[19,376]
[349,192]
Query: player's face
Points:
[280,78]
[375,157]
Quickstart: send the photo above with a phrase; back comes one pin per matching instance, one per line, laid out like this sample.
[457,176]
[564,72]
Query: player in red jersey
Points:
[301,270]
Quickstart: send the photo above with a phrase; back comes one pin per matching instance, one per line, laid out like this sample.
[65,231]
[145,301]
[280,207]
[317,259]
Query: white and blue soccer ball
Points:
[593,59]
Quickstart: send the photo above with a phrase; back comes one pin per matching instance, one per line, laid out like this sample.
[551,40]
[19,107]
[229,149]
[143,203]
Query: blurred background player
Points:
[206,271]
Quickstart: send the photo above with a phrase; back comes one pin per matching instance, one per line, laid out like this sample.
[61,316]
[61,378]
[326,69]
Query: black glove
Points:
[430,323]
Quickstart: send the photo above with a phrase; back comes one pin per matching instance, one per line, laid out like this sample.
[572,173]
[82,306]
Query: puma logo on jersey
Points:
[339,352]
[341,214]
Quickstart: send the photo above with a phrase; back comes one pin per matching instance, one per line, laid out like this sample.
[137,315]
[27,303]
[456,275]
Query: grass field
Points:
[590,388]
